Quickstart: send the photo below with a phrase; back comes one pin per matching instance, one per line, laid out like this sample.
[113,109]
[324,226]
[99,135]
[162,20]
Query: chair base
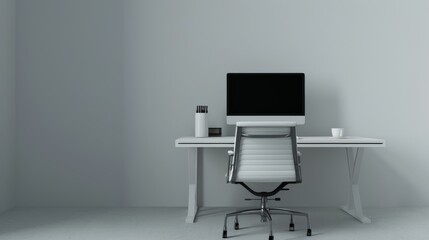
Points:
[265,214]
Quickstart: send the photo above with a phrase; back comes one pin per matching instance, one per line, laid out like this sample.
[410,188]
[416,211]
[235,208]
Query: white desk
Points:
[354,147]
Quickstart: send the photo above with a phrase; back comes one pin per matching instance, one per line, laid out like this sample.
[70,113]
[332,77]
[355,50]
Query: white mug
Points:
[337,132]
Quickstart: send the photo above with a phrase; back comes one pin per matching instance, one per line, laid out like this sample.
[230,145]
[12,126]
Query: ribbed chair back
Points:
[266,153]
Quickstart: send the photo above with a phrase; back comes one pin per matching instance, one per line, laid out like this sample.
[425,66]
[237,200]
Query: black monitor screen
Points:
[265,94]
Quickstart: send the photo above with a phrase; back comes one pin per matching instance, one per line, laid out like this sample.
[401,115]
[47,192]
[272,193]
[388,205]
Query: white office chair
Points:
[265,152]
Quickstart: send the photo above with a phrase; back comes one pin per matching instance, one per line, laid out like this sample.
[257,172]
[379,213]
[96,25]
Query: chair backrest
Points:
[265,152]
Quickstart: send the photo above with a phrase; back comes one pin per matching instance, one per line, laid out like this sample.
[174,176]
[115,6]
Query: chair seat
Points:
[266,176]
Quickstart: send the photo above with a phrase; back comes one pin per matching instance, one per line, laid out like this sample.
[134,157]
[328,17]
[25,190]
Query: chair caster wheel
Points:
[291,227]
[309,232]
[224,234]
[271,238]
[236,226]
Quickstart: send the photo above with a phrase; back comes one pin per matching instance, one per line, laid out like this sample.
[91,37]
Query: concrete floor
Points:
[168,223]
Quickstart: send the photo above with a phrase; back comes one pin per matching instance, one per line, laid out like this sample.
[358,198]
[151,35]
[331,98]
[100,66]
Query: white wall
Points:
[104,89]
[7,104]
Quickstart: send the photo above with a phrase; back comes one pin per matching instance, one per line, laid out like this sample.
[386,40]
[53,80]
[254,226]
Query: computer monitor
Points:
[265,97]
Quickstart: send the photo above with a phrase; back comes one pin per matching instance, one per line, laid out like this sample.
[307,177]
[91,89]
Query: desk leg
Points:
[354,205]
[193,175]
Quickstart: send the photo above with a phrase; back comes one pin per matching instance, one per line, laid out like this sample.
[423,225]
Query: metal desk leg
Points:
[354,205]
[193,174]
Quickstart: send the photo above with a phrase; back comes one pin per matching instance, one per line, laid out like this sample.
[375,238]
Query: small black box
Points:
[215,132]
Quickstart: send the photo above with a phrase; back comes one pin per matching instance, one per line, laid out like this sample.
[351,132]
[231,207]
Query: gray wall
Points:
[105,87]
[69,103]
[7,104]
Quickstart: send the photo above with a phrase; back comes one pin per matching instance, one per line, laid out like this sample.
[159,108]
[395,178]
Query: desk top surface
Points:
[310,141]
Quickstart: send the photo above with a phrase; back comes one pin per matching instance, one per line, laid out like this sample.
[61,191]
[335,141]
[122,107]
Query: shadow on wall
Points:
[200,178]
[322,108]
[382,180]
[384,185]
[326,175]
[322,113]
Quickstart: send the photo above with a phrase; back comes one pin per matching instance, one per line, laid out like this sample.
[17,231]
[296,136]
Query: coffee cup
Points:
[337,132]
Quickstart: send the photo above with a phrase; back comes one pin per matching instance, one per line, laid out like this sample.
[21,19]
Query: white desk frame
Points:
[354,147]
